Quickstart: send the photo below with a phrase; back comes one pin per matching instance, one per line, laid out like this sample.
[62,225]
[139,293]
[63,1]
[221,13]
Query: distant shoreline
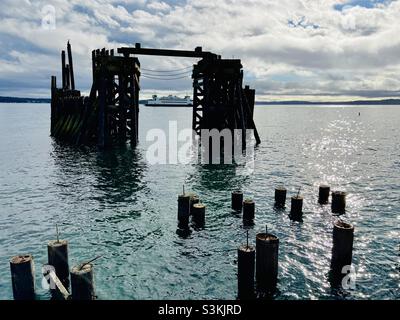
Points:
[356,102]
[24,100]
[273,103]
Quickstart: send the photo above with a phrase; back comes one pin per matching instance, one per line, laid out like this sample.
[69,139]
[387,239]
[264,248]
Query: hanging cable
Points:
[165,75]
[156,78]
[173,70]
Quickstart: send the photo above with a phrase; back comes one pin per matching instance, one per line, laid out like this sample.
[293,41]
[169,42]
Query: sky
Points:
[290,49]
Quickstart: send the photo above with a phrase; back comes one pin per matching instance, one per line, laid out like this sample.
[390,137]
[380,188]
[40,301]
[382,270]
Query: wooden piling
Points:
[71,66]
[57,253]
[199,214]
[67,77]
[296,208]
[280,197]
[323,194]
[237,200]
[342,249]
[248,210]
[82,282]
[246,264]
[267,247]
[338,202]
[101,126]
[23,277]
[64,78]
[183,211]
[53,104]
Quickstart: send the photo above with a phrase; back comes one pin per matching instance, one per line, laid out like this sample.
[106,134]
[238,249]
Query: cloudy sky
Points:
[290,49]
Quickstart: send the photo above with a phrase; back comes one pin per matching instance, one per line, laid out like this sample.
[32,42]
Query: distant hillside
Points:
[23,100]
[357,102]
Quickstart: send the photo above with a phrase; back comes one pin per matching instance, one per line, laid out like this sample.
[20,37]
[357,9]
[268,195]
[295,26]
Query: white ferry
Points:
[170,101]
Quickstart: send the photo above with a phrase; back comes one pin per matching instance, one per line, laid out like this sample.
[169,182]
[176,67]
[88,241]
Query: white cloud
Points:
[289,48]
[158,6]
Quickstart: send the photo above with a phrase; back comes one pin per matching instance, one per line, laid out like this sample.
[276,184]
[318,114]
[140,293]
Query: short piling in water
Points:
[23,277]
[342,250]
[323,194]
[199,214]
[338,202]
[183,211]
[267,247]
[82,282]
[237,200]
[296,208]
[57,252]
[246,263]
[280,197]
[248,210]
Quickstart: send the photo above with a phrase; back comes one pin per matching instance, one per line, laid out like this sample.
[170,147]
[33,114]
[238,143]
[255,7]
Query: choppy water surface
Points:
[117,205]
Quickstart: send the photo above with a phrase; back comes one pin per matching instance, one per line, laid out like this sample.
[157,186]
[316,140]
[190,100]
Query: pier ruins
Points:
[109,115]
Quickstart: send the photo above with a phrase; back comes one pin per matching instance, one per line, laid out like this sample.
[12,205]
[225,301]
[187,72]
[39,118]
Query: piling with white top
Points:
[199,214]
[23,277]
[82,282]
[57,252]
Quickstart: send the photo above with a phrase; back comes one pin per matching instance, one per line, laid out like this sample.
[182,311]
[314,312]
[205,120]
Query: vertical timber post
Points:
[82,282]
[267,247]
[280,197]
[323,194]
[23,277]
[64,78]
[183,211]
[296,208]
[53,104]
[237,200]
[199,214]
[342,250]
[246,263]
[101,136]
[71,67]
[338,202]
[57,252]
[248,210]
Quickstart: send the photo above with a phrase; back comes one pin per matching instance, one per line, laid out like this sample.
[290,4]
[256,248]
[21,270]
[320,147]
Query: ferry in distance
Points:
[169,101]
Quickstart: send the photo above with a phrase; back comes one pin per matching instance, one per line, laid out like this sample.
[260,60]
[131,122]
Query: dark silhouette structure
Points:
[109,115]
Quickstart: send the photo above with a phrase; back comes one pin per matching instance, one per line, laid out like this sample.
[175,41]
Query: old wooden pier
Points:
[109,115]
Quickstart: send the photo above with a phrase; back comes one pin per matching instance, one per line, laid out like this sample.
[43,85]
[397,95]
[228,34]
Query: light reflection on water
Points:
[117,205]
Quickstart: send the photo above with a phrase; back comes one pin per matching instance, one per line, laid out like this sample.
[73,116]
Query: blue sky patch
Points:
[302,23]
[369,4]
